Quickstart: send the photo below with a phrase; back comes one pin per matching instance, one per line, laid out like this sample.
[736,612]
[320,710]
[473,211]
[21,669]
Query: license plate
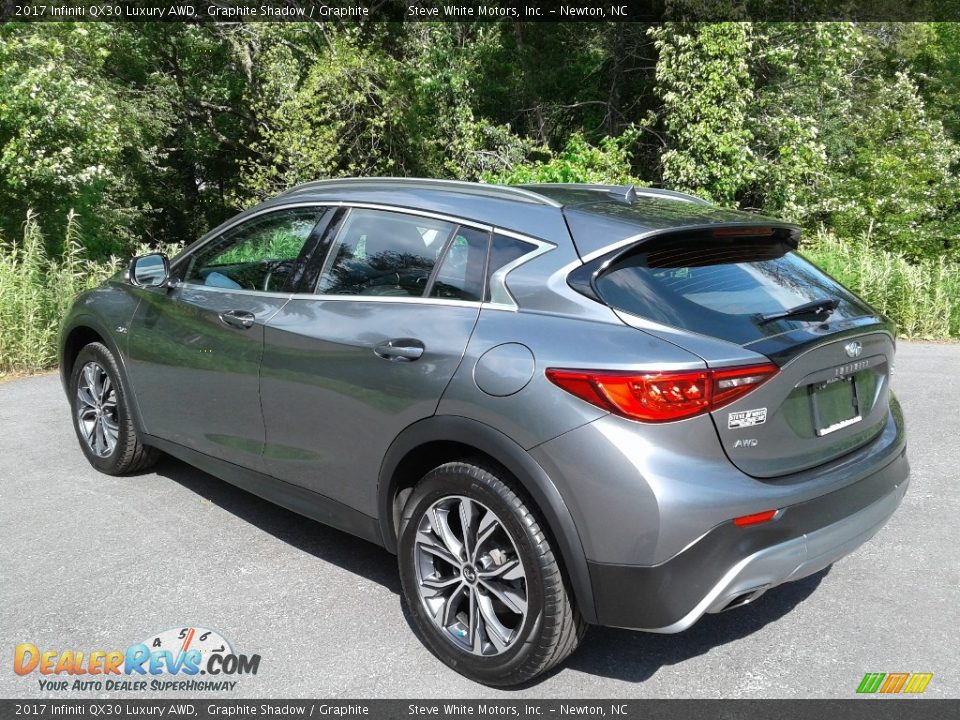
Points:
[835,405]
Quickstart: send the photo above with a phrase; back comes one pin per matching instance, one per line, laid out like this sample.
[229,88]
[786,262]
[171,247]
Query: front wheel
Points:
[481,580]
[101,415]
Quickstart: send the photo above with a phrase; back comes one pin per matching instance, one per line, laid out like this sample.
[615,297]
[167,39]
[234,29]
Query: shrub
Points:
[922,297]
[36,291]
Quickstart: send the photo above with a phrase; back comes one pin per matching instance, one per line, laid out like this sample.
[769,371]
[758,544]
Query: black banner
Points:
[474,10]
[200,709]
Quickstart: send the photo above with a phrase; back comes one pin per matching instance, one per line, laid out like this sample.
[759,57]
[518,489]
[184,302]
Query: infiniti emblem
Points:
[853,349]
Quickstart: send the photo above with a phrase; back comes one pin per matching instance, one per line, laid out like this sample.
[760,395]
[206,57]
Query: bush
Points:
[36,291]
[578,162]
[922,297]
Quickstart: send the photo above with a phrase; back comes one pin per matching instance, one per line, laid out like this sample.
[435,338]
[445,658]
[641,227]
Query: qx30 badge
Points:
[853,349]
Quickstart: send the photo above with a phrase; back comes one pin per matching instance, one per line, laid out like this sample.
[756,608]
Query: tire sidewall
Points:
[441,483]
[100,354]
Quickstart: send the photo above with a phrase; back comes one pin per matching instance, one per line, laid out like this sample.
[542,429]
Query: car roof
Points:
[502,206]
[596,215]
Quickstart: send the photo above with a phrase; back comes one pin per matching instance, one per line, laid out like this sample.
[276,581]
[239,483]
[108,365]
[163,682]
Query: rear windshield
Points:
[721,287]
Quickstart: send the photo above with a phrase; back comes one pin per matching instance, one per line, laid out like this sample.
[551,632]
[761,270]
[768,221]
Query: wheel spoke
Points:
[431,544]
[88,425]
[468,519]
[510,570]
[514,601]
[105,388]
[110,433]
[85,395]
[499,634]
[441,525]
[488,525]
[99,439]
[450,606]
[438,583]
[474,636]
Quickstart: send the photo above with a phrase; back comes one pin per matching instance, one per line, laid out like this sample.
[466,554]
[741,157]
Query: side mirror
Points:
[149,270]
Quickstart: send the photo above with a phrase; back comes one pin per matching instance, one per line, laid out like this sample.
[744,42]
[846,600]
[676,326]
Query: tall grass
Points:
[35,292]
[922,297]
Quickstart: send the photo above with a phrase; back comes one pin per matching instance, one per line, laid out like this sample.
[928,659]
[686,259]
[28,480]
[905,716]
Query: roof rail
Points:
[507,192]
[628,193]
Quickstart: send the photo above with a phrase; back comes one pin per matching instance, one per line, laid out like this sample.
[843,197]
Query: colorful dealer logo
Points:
[182,652]
[891,683]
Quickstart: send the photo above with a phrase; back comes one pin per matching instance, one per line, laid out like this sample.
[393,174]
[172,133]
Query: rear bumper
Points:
[733,565]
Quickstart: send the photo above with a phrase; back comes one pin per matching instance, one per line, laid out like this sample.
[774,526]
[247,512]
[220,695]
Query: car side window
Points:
[461,272]
[383,253]
[259,254]
[503,251]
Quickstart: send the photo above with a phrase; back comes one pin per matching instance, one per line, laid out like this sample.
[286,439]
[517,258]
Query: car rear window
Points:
[721,287]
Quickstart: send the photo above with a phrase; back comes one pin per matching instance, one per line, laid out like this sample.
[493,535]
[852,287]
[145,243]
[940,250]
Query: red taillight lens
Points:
[661,396]
[755,519]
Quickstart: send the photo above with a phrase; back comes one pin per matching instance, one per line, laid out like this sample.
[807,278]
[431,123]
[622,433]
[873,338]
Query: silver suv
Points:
[559,405]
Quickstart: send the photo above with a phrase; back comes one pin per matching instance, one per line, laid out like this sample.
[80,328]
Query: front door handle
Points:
[240,319]
[400,349]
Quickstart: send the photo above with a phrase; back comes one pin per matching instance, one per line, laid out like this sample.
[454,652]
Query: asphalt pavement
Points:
[90,562]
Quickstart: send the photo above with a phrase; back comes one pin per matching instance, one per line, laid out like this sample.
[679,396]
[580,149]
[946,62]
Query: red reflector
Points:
[662,396]
[742,232]
[755,519]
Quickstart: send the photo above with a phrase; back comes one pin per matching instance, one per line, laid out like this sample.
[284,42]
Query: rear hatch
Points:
[738,295]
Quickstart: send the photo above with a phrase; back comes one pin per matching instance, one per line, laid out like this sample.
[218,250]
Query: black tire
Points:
[552,627]
[128,454]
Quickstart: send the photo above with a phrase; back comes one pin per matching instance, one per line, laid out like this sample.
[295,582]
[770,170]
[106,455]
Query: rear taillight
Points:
[755,519]
[662,396]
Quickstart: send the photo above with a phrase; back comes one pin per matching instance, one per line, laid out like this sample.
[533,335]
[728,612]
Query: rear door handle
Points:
[400,349]
[240,319]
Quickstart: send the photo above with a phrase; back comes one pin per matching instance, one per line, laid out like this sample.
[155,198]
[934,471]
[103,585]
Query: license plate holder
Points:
[834,405]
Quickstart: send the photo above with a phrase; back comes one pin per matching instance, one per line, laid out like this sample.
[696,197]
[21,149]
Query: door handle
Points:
[400,349]
[240,319]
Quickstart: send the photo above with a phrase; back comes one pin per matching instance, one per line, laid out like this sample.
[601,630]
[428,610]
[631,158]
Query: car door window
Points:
[461,272]
[259,254]
[384,253]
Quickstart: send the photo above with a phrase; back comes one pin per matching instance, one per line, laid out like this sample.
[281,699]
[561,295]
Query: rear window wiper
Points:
[820,309]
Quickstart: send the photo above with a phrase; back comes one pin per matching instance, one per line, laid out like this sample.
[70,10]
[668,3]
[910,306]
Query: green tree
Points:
[68,137]
[704,82]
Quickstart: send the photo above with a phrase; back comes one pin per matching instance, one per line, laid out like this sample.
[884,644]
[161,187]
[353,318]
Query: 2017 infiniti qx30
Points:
[559,405]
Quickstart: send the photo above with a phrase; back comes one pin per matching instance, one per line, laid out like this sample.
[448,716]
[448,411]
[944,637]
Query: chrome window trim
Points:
[500,297]
[180,285]
[499,292]
[202,242]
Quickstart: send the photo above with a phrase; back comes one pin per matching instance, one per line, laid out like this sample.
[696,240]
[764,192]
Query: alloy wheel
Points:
[470,577]
[97,414]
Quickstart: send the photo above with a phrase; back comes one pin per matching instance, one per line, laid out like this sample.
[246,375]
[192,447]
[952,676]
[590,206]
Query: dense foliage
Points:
[116,135]
[157,132]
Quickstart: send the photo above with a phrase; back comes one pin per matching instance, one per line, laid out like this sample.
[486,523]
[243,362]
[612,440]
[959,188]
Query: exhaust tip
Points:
[745,598]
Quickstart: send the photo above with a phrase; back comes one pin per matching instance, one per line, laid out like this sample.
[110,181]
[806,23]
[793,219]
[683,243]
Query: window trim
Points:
[500,297]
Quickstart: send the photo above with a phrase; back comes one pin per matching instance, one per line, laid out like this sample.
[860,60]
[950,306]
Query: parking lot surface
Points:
[91,562]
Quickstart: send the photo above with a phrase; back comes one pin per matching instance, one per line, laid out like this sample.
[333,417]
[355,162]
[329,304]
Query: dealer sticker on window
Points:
[746,418]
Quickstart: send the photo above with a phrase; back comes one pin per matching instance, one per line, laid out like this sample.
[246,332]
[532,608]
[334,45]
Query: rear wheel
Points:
[481,579]
[101,415]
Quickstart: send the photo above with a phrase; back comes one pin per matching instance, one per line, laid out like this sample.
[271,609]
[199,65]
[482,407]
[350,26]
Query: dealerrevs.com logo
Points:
[171,660]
